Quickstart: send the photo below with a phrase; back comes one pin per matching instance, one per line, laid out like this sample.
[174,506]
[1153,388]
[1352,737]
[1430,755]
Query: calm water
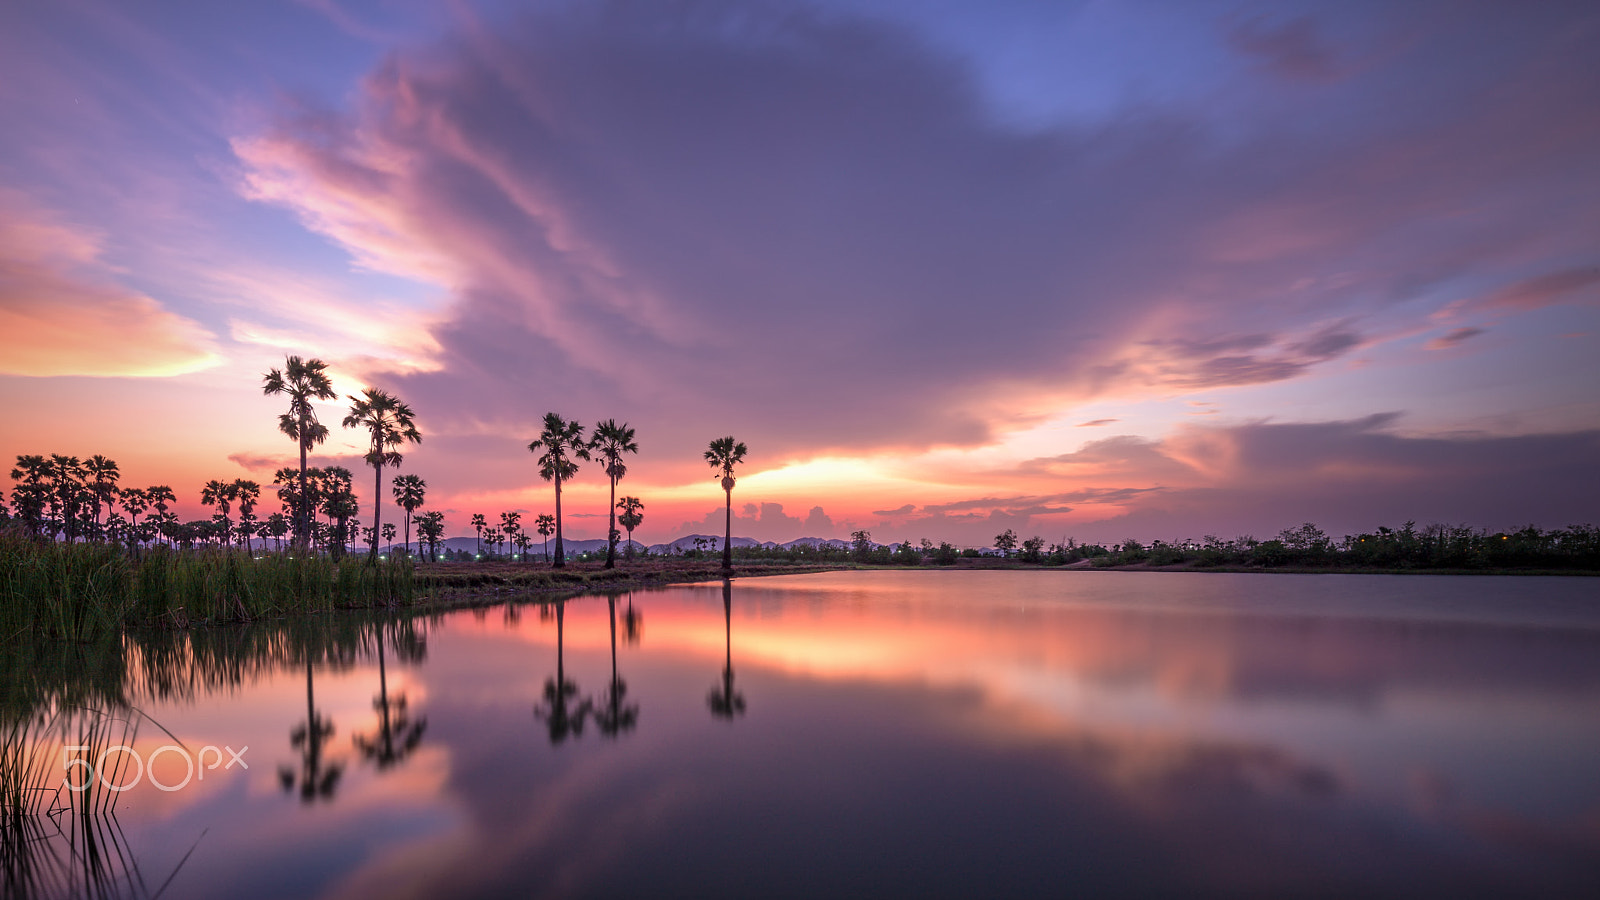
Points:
[917,734]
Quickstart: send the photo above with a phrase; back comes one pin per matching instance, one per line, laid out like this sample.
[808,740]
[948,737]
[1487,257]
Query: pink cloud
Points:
[61,314]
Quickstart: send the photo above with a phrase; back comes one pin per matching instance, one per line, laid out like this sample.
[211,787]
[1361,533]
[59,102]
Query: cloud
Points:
[763,522]
[1345,475]
[1454,337]
[61,313]
[1293,49]
[261,463]
[1564,286]
[751,214]
[1094,423]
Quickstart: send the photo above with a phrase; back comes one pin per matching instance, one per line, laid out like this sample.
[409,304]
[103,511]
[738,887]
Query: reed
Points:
[81,591]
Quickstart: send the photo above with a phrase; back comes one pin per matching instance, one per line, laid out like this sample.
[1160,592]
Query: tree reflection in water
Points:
[397,734]
[632,624]
[317,778]
[725,702]
[615,715]
[561,716]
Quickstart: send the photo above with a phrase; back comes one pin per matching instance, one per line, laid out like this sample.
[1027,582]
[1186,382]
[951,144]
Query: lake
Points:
[855,734]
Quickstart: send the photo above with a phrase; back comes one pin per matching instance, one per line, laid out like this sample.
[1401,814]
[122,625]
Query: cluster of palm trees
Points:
[69,499]
[562,443]
[390,425]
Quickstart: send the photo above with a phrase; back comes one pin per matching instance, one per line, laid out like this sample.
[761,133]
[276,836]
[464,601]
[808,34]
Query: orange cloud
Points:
[55,320]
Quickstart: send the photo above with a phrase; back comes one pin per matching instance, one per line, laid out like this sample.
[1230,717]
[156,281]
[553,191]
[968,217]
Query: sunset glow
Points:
[1078,270]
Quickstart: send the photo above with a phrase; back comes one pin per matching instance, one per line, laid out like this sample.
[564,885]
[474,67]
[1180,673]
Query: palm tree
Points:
[391,423]
[430,528]
[134,502]
[246,492]
[67,494]
[631,517]
[409,491]
[725,702]
[547,527]
[724,454]
[510,524]
[219,494]
[610,442]
[561,441]
[29,497]
[303,381]
[104,487]
[159,496]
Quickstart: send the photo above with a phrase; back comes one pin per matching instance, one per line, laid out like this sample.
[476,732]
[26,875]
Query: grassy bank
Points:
[79,591]
[83,591]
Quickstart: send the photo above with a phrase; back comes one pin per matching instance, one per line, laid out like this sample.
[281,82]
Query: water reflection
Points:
[316,777]
[614,714]
[724,700]
[398,734]
[919,734]
[561,716]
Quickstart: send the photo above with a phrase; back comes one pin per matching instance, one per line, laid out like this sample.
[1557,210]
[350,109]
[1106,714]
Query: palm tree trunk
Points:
[561,558]
[302,512]
[727,537]
[377,509]
[611,529]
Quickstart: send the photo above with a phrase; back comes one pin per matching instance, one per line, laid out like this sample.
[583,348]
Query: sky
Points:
[1078,269]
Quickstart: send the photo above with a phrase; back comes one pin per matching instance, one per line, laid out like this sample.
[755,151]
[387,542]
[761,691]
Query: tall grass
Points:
[80,591]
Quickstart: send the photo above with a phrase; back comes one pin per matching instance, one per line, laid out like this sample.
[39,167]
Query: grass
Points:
[81,591]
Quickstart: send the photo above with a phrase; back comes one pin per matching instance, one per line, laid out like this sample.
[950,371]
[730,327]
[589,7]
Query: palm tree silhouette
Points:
[561,441]
[104,487]
[317,778]
[562,718]
[547,527]
[430,528]
[219,494]
[610,442]
[391,423]
[246,493]
[303,381]
[397,735]
[134,502]
[631,517]
[29,497]
[615,715]
[510,524]
[409,491]
[479,522]
[725,702]
[724,454]
[159,496]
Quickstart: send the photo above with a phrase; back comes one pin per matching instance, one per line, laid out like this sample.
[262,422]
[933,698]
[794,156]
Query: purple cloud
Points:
[812,230]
